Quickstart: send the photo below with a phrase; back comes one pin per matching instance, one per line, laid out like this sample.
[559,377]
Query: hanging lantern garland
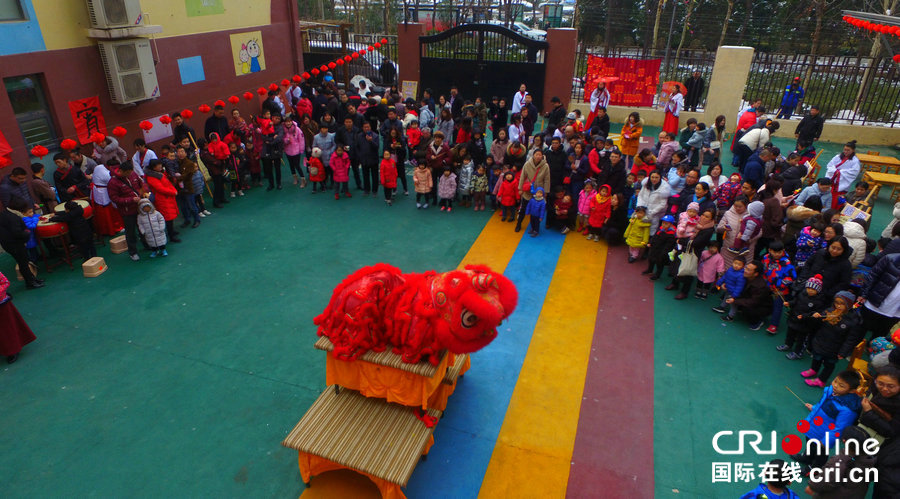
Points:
[876,28]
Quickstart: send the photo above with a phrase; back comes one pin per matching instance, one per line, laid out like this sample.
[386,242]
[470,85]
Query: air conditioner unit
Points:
[107,14]
[129,68]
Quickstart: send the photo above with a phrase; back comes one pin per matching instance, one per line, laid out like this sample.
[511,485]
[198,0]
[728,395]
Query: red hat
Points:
[796,78]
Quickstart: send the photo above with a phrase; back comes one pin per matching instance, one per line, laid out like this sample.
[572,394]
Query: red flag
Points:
[88,118]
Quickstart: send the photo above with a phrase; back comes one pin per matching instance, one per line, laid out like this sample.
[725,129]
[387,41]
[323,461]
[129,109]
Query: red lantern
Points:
[340,62]
[297,79]
[261,90]
[119,131]
[39,151]
[384,41]
[315,71]
[248,95]
[273,87]
[306,75]
[68,144]
[323,68]
[165,119]
[355,55]
[897,58]
[4,161]
[145,125]
[285,82]
[234,99]
[97,137]
[219,103]
[347,58]
[332,65]
[378,45]
[187,114]
[203,108]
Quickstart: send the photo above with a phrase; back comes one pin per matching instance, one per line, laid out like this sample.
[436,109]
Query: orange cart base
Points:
[311,465]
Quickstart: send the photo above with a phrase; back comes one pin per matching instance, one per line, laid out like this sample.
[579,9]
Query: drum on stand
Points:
[55,236]
[85,205]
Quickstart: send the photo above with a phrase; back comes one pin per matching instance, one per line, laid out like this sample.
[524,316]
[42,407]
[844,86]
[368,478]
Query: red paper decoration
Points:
[261,90]
[273,87]
[315,71]
[248,95]
[347,58]
[68,144]
[362,52]
[165,119]
[340,62]
[306,76]
[876,27]
[97,137]
[119,131]
[145,125]
[186,114]
[355,55]
[897,58]
[39,151]
[297,79]
[370,48]
[285,82]
[4,161]
[378,45]
[203,108]
[331,65]
[323,68]
[219,103]
[384,41]
[234,99]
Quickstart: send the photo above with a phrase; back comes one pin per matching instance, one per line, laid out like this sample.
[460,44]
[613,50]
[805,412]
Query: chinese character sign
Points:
[88,118]
[636,84]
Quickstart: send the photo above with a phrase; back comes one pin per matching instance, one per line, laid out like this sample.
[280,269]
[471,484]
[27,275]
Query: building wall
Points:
[76,72]
[22,36]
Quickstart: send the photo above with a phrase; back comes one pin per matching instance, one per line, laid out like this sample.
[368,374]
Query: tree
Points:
[684,29]
[728,11]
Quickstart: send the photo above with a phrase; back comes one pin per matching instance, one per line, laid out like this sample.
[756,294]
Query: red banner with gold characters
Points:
[88,118]
[636,80]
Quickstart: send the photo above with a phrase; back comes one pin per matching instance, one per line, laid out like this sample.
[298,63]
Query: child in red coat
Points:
[508,195]
[413,139]
[388,176]
[601,209]
[316,170]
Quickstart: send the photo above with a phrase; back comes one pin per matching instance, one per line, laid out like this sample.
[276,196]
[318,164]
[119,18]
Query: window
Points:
[11,10]
[29,103]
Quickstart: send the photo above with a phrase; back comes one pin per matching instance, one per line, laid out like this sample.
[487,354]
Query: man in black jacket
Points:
[755,300]
[694,88]
[217,123]
[348,134]
[881,296]
[558,162]
[555,117]
[600,126]
[13,236]
[810,128]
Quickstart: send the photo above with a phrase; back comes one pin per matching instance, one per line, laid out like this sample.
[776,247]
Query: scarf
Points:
[833,316]
[601,199]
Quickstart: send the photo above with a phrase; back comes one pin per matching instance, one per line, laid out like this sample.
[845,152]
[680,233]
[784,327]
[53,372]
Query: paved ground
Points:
[181,376]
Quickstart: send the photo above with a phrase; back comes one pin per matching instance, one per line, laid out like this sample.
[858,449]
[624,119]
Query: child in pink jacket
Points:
[294,145]
[340,165]
[687,222]
[584,207]
[710,267]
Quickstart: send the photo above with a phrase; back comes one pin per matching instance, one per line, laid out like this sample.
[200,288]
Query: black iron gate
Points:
[482,60]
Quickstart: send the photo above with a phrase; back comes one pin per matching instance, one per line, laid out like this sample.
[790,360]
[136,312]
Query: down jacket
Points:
[883,278]
[151,224]
[856,236]
[654,200]
[163,194]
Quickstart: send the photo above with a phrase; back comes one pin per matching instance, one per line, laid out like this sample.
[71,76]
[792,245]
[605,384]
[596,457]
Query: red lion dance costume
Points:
[420,315]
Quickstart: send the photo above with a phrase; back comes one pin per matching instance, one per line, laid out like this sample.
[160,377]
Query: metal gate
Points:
[482,60]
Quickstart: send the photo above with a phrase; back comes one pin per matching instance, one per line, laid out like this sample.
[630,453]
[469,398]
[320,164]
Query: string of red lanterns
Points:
[69,144]
[875,27]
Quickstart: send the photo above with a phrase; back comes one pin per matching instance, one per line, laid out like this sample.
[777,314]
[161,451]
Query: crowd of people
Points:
[765,233]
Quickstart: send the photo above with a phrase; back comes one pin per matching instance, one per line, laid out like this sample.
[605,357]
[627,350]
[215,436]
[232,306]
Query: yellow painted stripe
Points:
[533,452]
[494,247]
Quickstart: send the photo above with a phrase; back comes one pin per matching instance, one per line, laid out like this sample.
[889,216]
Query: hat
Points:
[570,116]
[815,282]
[796,78]
[847,296]
[668,218]
[693,206]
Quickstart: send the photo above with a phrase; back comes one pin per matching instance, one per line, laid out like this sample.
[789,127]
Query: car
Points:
[528,32]
[367,65]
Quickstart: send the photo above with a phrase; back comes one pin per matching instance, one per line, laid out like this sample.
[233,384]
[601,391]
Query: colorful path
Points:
[182,376]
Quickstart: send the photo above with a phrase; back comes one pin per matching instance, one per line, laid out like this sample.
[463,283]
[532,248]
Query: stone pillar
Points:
[726,85]
[408,51]
[559,66]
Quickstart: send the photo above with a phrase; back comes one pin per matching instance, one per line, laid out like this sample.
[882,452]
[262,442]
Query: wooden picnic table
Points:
[878,180]
[884,164]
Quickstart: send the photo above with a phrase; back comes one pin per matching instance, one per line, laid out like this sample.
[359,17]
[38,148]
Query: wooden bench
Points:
[346,430]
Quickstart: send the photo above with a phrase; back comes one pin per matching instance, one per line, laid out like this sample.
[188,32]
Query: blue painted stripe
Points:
[465,437]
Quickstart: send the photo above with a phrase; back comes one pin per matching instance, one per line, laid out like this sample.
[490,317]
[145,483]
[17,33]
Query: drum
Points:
[85,205]
[47,229]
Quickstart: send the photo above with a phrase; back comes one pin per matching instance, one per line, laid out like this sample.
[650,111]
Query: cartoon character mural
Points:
[248,53]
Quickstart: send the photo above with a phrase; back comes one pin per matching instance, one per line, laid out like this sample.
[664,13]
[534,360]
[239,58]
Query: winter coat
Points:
[516,157]
[437,157]
[163,194]
[710,266]
[614,175]
[666,150]
[112,150]
[732,280]
[326,144]
[367,148]
[654,200]
[558,162]
[888,463]
[836,412]
[273,144]
[508,193]
[479,183]
[601,209]
[71,177]
[890,226]
[498,150]
[151,225]
[637,235]
[80,229]
[810,128]
[422,180]
[807,245]
[445,127]
[123,191]
[779,274]
[804,305]
[584,202]
[464,181]
[874,421]
[856,236]
[629,145]
[13,231]
[10,189]
[294,141]
[536,208]
[388,171]
[317,171]
[340,165]
[447,186]
[797,219]
[883,278]
[218,148]
[755,299]
[661,244]
[755,170]
[726,193]
[772,218]
[837,339]
[835,272]
[730,225]
[534,176]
